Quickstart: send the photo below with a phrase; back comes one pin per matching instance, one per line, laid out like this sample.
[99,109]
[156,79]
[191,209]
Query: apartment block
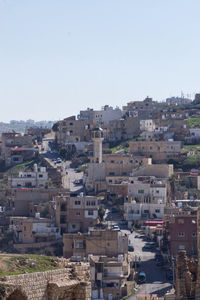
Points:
[76,213]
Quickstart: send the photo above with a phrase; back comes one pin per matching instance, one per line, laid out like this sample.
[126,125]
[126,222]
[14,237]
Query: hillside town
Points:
[111,197]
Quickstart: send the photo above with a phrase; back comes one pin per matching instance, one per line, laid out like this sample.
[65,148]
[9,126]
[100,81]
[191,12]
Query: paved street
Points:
[156,282]
[69,175]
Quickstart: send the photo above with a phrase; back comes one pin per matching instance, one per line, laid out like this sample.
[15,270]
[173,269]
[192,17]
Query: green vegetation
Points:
[114,147]
[194,122]
[14,264]
[188,148]
[55,127]
[192,161]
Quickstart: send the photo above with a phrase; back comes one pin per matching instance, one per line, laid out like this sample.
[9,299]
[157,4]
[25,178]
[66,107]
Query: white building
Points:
[38,177]
[103,116]
[134,211]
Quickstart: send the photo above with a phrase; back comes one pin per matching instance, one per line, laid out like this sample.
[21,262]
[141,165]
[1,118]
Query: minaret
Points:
[97,137]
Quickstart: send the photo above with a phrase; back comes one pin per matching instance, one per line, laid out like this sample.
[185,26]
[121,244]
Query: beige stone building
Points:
[96,242]
[161,151]
[71,130]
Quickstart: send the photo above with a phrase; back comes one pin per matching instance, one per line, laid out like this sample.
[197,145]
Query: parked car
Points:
[141,277]
[116,228]
[148,246]
[130,248]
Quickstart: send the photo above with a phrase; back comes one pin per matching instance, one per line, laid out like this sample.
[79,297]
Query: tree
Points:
[101,213]
[55,127]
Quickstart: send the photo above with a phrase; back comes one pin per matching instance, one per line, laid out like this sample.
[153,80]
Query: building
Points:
[181,228]
[96,242]
[15,148]
[123,129]
[109,277]
[34,235]
[76,213]
[161,151]
[72,130]
[147,197]
[147,125]
[178,100]
[101,117]
[36,178]
[156,170]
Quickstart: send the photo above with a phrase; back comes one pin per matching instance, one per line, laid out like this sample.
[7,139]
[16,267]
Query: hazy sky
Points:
[60,56]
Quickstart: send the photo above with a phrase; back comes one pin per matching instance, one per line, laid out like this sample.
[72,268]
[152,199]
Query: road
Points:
[156,282]
[69,175]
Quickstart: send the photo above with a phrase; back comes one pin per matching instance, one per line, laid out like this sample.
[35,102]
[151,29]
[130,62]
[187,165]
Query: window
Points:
[40,175]
[112,161]
[194,234]
[157,211]
[77,202]
[181,234]
[112,173]
[71,124]
[181,247]
[157,191]
[73,226]
[140,191]
[110,180]
[150,148]
[90,213]
[78,213]
[146,211]
[79,244]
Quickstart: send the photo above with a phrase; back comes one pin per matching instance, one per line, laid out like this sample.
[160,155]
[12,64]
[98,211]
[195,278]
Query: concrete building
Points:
[32,230]
[161,151]
[123,129]
[96,242]
[147,125]
[15,148]
[38,177]
[101,117]
[71,130]
[156,170]
[181,228]
[109,277]
[76,213]
[147,197]
[136,212]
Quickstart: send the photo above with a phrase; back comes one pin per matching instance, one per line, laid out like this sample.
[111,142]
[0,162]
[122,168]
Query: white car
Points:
[116,228]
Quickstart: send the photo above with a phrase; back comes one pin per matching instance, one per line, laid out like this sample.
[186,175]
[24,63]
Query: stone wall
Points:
[70,283]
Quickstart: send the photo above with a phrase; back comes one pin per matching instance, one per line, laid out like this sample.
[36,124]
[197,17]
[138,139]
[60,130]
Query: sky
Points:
[58,57]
